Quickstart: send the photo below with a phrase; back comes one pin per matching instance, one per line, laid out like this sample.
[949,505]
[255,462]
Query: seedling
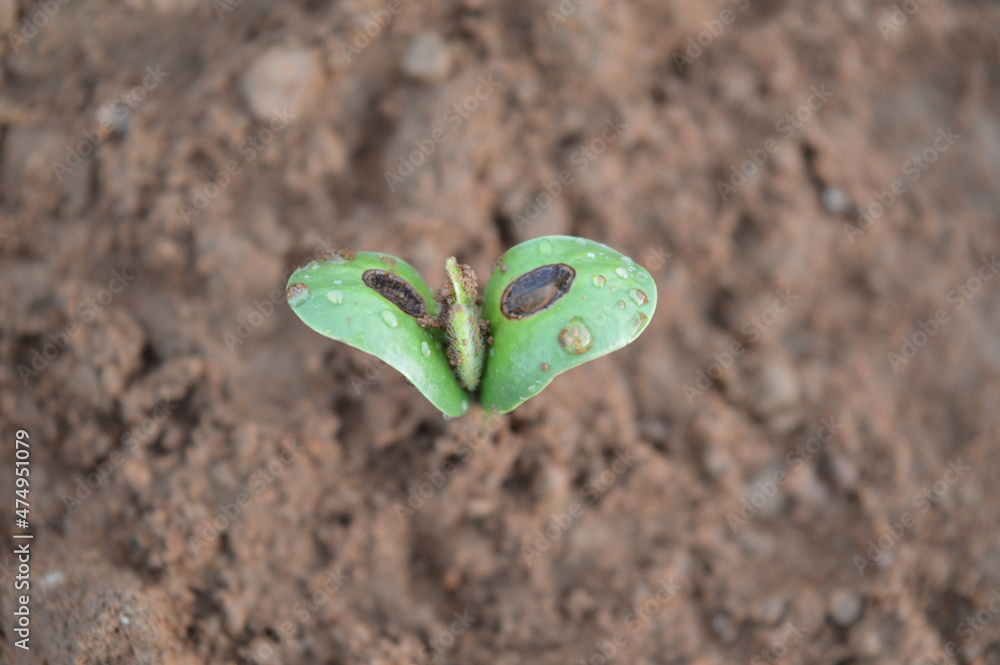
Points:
[551,304]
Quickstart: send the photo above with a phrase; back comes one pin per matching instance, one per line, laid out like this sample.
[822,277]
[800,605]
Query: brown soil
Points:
[756,479]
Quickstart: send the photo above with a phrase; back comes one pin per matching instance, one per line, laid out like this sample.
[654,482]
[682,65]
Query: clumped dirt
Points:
[795,463]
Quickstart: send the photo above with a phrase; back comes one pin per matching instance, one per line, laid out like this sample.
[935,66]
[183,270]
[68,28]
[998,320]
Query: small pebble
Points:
[428,60]
[778,387]
[279,80]
[835,200]
[845,607]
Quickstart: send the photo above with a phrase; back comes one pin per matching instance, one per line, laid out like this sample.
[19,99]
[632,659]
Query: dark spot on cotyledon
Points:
[396,290]
[537,290]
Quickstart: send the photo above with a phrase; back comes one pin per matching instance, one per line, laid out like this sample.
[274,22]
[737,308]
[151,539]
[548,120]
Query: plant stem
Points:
[464,326]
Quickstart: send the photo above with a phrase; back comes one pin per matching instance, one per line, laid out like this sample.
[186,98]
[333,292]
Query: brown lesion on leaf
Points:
[536,290]
[396,290]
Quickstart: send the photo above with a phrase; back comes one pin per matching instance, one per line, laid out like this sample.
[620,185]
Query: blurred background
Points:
[795,463]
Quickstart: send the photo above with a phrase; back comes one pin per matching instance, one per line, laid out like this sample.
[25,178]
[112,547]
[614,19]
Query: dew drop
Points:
[338,281]
[389,318]
[335,296]
[312,265]
[465,404]
[639,321]
[638,296]
[621,304]
[591,255]
[575,337]
[627,261]
[425,349]
[599,281]
[296,294]
[492,351]
[545,247]
[621,272]
[581,241]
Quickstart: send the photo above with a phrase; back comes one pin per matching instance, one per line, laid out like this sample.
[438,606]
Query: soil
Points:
[795,463]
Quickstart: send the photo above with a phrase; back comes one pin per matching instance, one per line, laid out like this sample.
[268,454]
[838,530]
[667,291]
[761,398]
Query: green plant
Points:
[551,304]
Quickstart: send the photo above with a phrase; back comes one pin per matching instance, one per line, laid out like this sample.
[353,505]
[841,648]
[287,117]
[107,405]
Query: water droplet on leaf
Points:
[545,247]
[621,272]
[638,297]
[621,304]
[335,296]
[425,349]
[389,318]
[599,281]
[639,321]
[575,337]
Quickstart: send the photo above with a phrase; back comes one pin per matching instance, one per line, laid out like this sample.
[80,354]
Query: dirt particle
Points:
[296,293]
